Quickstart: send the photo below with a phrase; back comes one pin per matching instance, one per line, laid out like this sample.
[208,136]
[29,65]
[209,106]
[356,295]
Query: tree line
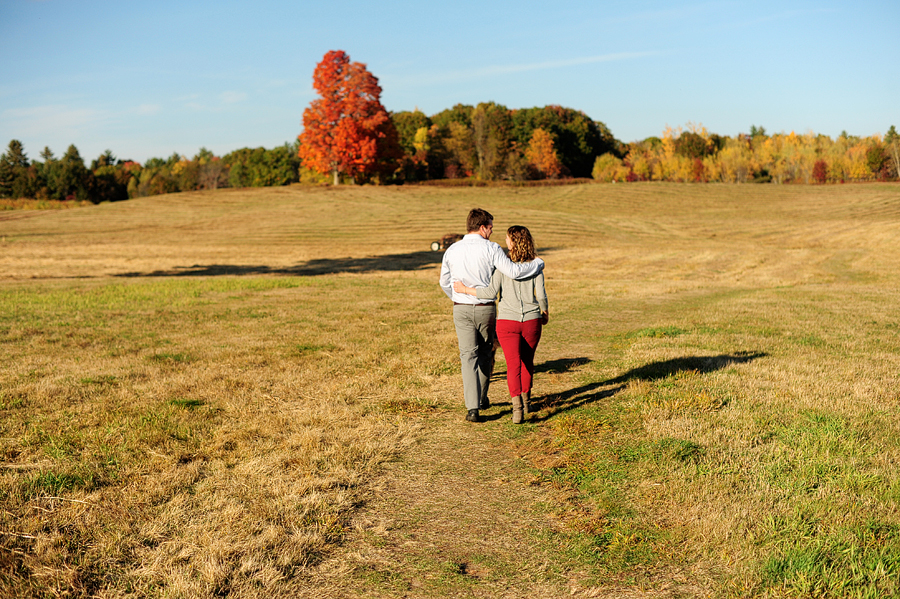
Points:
[348,132]
[348,136]
[697,155]
[111,179]
[492,142]
[487,141]
[535,143]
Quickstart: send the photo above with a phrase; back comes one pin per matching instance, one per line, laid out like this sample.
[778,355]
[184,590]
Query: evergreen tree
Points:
[74,180]
[14,172]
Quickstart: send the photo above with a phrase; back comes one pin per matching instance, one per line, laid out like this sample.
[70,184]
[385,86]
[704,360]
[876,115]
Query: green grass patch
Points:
[11,401]
[859,561]
[101,380]
[823,434]
[308,349]
[809,340]
[682,450]
[657,332]
[186,403]
[55,484]
[170,358]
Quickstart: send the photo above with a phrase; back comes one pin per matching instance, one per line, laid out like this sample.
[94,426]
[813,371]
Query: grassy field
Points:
[202,394]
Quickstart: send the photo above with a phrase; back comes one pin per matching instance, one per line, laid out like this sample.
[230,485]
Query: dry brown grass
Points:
[215,443]
[199,389]
[7,204]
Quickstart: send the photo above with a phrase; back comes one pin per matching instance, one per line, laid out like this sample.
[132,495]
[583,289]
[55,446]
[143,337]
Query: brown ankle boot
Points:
[517,409]
[526,398]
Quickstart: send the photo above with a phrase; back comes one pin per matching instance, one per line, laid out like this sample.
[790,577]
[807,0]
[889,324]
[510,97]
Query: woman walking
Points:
[522,310]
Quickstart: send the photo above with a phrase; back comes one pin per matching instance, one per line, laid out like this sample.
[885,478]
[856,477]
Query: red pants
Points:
[519,340]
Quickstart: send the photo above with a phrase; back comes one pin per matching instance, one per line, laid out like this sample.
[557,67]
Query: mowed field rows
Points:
[204,394]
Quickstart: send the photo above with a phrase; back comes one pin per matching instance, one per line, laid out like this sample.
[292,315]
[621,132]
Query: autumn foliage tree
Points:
[346,130]
[542,155]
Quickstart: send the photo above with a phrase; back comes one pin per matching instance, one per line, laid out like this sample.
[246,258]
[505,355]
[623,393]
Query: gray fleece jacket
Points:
[517,300]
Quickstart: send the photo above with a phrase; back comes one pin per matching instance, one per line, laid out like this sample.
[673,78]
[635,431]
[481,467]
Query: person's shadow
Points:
[554,403]
[552,366]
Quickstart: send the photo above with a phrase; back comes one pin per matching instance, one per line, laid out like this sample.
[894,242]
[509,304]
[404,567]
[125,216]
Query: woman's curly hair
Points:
[522,249]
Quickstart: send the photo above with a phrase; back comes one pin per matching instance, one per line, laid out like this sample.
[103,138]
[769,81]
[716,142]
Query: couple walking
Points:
[493,293]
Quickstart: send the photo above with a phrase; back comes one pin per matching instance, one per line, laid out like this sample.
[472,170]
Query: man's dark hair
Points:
[477,219]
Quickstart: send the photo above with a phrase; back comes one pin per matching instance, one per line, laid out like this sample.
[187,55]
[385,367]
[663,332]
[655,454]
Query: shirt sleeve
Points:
[492,291]
[444,280]
[540,293]
[515,270]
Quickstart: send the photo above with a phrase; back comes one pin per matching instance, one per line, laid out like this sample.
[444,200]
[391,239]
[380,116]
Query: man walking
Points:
[472,260]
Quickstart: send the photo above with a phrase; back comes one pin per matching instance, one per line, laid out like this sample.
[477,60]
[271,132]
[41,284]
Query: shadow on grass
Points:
[561,365]
[552,404]
[702,364]
[552,366]
[324,266]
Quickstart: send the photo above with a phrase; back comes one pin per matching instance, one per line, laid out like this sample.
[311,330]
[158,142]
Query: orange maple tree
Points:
[542,154]
[346,130]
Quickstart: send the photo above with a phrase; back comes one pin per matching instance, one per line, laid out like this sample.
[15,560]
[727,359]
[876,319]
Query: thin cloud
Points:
[218,103]
[783,16]
[492,71]
[682,13]
[233,97]
[48,121]
[148,109]
[559,64]
[674,13]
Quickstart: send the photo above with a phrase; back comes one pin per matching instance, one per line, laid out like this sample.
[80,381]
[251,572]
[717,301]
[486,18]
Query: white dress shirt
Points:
[472,260]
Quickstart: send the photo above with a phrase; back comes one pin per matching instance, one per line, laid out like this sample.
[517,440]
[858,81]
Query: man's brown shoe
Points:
[473,416]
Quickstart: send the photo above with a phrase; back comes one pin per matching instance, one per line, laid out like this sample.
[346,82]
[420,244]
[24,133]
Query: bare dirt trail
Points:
[462,515]
[456,516]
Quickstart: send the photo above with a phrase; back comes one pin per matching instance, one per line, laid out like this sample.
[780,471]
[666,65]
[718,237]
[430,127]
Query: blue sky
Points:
[152,78]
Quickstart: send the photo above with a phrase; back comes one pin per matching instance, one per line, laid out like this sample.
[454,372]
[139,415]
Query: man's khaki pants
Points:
[475,333]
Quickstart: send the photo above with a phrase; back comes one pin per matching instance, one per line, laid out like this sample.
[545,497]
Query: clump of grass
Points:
[408,405]
[657,332]
[681,450]
[441,368]
[682,392]
[103,379]
[169,358]
[11,402]
[810,340]
[858,561]
[55,483]
[309,349]
[186,403]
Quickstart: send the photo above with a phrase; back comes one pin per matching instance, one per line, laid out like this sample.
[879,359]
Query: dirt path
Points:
[455,517]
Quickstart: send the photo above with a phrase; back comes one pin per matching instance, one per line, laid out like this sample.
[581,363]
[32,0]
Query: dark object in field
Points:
[444,242]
